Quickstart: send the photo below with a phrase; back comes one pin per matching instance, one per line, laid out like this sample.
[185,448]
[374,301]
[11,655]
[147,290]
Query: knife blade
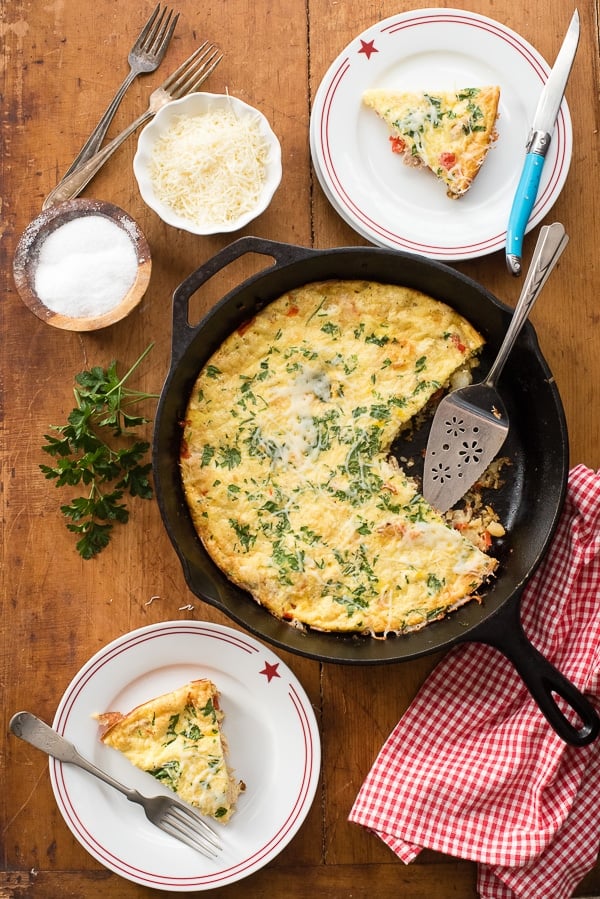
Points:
[537,145]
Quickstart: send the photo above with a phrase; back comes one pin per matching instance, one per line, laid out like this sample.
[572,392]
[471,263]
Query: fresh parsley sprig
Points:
[84,457]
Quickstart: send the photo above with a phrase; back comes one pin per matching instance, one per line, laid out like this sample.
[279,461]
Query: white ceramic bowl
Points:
[195,105]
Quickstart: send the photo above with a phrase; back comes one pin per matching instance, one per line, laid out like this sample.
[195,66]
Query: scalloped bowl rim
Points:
[195,104]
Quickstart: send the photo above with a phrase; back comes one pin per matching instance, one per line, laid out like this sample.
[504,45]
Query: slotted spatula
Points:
[471,423]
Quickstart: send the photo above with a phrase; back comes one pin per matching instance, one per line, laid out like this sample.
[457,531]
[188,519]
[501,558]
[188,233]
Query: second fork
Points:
[184,80]
[145,56]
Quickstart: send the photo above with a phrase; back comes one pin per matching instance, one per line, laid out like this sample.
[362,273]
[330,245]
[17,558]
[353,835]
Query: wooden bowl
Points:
[58,314]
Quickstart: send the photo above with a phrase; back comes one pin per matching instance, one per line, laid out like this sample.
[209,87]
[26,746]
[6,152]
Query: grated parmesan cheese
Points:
[210,168]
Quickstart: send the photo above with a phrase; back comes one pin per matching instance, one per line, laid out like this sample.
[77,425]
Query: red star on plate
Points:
[368,47]
[270,671]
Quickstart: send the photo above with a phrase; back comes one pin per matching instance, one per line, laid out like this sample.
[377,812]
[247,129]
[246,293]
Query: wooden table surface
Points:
[61,62]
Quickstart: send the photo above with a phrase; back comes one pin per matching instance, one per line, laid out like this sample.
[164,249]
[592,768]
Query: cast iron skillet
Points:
[529,503]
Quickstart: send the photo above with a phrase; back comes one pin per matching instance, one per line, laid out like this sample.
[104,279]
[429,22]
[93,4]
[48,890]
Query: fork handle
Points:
[35,731]
[92,144]
[72,185]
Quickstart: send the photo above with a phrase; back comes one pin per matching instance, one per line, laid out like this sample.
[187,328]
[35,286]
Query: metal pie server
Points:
[537,146]
[471,423]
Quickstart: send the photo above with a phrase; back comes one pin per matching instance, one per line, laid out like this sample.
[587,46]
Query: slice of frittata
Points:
[450,132]
[177,738]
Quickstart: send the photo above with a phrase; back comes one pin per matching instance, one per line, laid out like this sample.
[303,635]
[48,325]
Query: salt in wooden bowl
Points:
[82,265]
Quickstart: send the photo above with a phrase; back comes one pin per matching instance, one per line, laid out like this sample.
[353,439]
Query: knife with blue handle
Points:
[537,146]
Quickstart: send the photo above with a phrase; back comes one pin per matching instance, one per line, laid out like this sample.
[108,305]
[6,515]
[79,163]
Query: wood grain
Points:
[61,62]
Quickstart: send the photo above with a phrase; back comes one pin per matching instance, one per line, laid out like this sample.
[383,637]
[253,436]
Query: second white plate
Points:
[395,206]
[270,727]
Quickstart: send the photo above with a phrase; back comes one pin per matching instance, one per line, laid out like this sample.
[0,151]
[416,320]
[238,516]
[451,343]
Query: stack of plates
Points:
[393,205]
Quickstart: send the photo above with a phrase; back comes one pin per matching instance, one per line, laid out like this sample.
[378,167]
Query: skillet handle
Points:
[505,632]
[282,253]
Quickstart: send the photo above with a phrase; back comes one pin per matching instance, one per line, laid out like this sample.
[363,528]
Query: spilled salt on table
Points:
[85,267]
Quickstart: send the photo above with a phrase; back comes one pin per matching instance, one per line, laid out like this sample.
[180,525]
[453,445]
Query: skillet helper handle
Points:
[282,253]
[505,632]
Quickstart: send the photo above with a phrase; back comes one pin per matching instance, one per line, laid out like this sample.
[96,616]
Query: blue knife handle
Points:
[520,213]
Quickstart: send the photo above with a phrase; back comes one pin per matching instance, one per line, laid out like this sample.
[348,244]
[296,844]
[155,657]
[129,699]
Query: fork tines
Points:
[194,70]
[158,29]
[186,824]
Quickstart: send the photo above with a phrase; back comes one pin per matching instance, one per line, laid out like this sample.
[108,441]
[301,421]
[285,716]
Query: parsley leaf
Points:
[82,455]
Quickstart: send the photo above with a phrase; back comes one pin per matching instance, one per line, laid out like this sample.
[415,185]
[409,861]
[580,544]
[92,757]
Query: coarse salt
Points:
[85,267]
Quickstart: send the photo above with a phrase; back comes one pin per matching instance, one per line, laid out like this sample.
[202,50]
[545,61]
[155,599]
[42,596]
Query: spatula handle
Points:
[548,249]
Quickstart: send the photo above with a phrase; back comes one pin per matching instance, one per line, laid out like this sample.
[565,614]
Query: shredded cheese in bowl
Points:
[210,167]
[208,163]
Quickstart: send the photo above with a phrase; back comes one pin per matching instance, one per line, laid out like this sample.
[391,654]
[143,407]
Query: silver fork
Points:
[145,56]
[178,820]
[187,78]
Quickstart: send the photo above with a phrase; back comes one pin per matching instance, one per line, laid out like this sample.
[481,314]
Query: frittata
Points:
[450,132]
[286,464]
[177,737]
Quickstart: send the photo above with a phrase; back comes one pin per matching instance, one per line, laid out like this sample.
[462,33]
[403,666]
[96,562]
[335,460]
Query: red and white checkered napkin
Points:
[474,770]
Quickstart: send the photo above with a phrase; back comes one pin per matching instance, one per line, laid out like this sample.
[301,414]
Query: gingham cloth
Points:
[473,769]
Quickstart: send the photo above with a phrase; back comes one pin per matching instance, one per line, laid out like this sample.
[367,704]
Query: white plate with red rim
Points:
[397,206]
[273,741]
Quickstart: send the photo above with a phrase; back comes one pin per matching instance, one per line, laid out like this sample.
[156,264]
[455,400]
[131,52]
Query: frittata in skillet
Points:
[286,462]
[450,132]
[177,738]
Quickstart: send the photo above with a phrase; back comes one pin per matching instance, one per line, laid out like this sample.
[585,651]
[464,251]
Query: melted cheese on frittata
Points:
[177,738]
[286,459]
[449,132]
